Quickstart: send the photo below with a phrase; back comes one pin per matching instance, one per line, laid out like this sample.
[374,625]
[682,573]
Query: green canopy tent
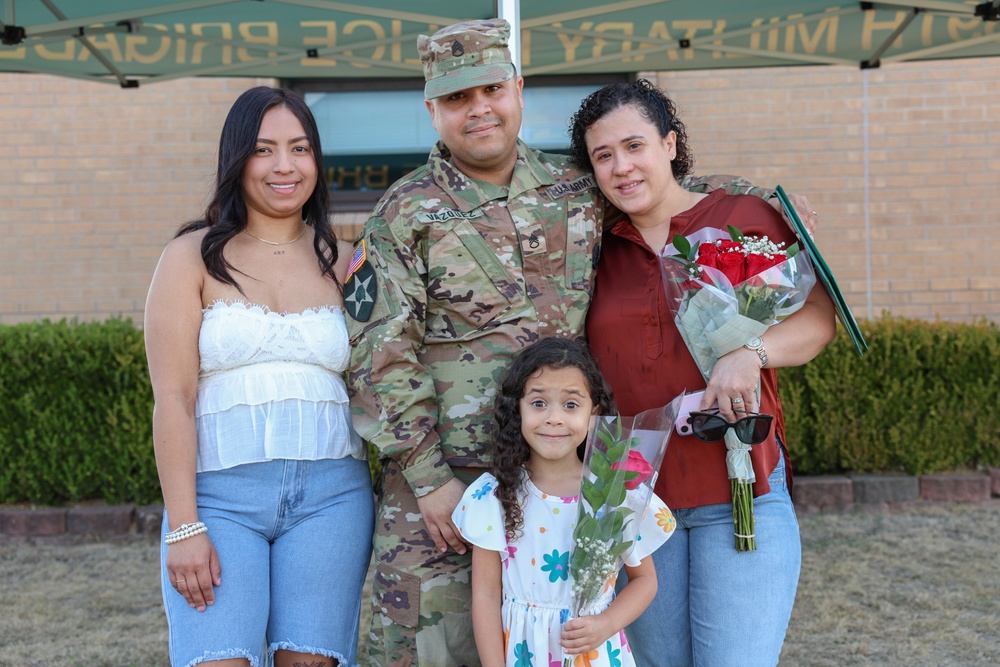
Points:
[133,42]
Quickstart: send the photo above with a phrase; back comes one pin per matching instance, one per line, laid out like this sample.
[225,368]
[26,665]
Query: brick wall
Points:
[94,179]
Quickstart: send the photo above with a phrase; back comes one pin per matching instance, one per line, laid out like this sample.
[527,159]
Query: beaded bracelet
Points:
[185,531]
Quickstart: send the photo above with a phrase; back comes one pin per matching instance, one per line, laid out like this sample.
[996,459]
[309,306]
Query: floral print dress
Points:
[537,590]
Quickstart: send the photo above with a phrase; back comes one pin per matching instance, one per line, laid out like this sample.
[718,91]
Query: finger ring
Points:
[180,581]
[737,400]
[815,213]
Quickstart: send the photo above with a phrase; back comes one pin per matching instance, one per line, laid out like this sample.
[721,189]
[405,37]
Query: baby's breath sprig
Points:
[761,245]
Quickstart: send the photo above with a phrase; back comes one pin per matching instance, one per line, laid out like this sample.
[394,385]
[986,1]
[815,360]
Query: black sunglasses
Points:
[711,427]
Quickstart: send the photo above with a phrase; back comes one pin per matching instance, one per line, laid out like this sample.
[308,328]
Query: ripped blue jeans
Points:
[294,543]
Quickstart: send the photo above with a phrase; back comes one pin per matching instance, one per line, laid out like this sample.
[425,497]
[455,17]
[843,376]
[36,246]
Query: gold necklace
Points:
[277,242]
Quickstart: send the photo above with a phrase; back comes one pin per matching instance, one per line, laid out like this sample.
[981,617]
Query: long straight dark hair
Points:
[226,214]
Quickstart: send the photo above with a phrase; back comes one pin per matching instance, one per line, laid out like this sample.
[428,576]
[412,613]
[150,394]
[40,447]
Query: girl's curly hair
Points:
[508,450]
[651,102]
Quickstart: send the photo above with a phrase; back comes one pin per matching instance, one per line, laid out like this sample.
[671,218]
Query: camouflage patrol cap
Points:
[464,55]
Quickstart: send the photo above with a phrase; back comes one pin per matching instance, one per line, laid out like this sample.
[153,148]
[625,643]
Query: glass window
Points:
[373,133]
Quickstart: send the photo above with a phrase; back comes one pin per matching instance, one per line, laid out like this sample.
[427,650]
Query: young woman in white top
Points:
[269,509]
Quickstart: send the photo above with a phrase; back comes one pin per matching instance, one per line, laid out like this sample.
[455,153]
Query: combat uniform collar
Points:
[469,194]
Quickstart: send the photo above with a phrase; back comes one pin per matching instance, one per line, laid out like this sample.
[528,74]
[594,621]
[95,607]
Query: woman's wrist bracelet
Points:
[185,531]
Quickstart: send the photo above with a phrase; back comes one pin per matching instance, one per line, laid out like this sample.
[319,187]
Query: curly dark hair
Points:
[226,214]
[651,102]
[509,452]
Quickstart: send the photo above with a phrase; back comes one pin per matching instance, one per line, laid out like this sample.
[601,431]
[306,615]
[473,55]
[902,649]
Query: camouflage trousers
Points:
[421,598]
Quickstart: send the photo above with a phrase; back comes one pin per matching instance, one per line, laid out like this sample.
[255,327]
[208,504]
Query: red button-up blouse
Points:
[632,334]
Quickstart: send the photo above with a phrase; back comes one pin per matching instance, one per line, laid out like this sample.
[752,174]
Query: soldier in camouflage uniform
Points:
[486,248]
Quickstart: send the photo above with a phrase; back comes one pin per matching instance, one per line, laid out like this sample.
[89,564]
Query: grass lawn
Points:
[911,588]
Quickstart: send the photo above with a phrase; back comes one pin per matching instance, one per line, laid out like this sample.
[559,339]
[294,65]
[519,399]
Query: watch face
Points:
[756,342]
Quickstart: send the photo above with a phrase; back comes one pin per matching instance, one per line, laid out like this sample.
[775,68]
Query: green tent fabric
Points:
[132,42]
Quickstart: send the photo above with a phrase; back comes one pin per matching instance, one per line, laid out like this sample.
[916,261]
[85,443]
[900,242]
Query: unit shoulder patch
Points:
[361,286]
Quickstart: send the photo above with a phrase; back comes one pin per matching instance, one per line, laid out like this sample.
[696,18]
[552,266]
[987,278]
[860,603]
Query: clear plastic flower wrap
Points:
[621,464]
[719,304]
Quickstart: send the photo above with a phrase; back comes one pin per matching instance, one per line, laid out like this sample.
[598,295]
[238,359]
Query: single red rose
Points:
[726,246]
[757,263]
[708,255]
[637,464]
[731,264]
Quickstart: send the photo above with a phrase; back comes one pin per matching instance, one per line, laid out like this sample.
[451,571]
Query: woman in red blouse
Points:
[715,606]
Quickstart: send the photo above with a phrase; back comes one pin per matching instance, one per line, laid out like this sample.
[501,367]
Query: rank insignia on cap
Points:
[457,49]
[361,285]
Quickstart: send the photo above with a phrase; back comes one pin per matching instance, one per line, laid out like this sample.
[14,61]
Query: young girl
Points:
[520,520]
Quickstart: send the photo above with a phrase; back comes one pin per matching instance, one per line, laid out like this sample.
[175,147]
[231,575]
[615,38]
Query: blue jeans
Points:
[294,541]
[716,607]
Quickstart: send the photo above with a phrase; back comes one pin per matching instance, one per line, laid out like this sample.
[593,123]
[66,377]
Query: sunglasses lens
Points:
[712,428]
[709,428]
[753,430]
[761,429]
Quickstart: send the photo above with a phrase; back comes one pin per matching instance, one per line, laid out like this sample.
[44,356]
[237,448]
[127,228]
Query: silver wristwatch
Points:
[757,345]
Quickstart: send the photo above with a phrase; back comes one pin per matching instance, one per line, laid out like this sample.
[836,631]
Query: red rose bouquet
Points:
[726,289]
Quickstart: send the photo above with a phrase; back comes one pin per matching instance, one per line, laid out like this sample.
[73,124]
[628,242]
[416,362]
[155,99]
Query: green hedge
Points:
[75,413]
[76,406]
[923,399]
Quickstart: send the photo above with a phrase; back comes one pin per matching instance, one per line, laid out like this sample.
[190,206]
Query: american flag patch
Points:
[357,259]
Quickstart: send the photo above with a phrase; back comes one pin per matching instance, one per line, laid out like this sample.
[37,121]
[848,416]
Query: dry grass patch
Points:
[911,589]
[90,605]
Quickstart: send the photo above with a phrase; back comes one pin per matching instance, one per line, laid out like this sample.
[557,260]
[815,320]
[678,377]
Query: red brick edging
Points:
[67,525]
[878,491]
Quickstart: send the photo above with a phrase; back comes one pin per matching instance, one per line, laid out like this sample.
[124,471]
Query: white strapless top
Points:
[271,386]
